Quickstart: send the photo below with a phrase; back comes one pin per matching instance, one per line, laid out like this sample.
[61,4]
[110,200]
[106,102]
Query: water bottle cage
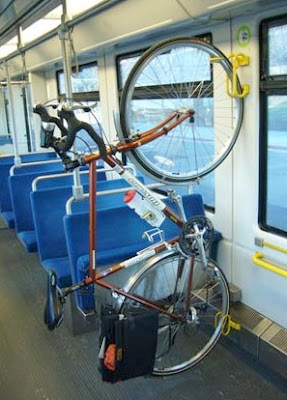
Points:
[151,234]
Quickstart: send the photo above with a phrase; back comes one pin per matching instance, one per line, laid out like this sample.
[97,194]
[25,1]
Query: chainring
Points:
[187,240]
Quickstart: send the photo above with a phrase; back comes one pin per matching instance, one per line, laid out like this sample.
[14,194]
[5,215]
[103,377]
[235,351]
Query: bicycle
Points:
[177,280]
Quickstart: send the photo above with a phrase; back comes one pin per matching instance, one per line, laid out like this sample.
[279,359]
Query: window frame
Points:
[79,96]
[269,85]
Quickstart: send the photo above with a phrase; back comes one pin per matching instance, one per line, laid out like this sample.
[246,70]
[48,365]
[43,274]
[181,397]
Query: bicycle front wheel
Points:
[176,75]
[170,280]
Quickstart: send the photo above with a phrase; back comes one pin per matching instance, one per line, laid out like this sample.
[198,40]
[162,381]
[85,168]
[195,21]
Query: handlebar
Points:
[68,135]
[46,118]
[74,125]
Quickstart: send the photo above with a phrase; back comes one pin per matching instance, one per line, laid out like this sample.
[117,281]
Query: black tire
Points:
[181,345]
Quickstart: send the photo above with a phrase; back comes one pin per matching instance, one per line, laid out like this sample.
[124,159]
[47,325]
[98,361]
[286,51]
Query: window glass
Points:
[276,193]
[164,71]
[273,141]
[85,80]
[277,60]
[125,64]
[85,88]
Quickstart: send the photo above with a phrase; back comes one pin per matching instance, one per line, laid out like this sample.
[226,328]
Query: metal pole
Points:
[17,159]
[63,33]
[17,83]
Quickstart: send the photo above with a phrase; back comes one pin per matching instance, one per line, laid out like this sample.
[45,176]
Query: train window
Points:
[85,82]
[277,60]
[125,63]
[273,129]
[85,88]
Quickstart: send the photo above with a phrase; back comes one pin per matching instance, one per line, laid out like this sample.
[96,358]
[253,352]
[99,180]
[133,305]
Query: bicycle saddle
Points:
[53,314]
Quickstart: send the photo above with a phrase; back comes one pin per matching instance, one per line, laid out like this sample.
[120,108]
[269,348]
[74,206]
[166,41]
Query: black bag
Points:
[127,344]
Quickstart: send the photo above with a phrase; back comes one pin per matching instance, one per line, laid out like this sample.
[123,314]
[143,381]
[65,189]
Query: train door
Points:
[20,123]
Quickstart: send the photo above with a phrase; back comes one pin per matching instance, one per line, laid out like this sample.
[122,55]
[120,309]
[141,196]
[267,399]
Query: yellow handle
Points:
[274,247]
[227,323]
[258,259]
[237,60]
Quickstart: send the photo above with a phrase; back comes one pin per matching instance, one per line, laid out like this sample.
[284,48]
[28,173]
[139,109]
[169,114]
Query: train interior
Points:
[245,196]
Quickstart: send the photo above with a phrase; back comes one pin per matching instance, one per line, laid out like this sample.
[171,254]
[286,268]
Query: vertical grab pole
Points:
[17,159]
[64,36]
[92,219]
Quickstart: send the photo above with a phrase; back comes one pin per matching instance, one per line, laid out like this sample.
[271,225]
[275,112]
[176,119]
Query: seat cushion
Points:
[28,238]
[111,256]
[62,268]
[8,216]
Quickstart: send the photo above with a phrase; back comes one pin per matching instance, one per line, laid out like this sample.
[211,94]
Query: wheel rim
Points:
[191,341]
[160,83]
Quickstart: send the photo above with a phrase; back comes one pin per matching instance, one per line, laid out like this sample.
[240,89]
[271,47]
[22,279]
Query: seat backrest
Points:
[29,157]
[41,167]
[5,199]
[48,209]
[60,180]
[20,187]
[119,227]
[65,180]
[6,162]
[116,227]
[104,201]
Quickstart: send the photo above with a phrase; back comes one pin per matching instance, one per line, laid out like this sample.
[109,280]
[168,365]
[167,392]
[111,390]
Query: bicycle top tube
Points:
[63,145]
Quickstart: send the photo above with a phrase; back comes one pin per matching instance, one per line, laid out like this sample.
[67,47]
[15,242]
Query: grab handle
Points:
[237,60]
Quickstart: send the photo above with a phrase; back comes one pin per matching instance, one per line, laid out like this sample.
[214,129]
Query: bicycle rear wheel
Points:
[181,344]
[180,74]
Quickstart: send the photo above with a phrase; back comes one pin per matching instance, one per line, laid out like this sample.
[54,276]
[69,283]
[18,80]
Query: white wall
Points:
[237,213]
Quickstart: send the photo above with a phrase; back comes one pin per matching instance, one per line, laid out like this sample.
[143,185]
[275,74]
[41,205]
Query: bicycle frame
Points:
[110,159]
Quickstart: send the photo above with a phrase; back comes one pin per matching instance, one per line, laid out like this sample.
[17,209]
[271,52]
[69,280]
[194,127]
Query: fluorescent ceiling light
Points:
[48,23]
[9,47]
[44,25]
[76,7]
[222,3]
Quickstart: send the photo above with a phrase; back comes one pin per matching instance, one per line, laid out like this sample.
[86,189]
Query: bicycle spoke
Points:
[182,342]
[180,74]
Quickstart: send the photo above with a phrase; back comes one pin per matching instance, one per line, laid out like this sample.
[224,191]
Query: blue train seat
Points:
[5,199]
[20,187]
[119,236]
[6,162]
[48,208]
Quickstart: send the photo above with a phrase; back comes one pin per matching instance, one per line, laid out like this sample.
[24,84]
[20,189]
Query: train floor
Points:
[36,364]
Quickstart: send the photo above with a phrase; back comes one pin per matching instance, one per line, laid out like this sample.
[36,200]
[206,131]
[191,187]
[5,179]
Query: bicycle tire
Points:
[155,88]
[209,295]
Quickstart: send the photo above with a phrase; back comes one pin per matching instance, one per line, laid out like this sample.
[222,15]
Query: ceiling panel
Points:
[24,12]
